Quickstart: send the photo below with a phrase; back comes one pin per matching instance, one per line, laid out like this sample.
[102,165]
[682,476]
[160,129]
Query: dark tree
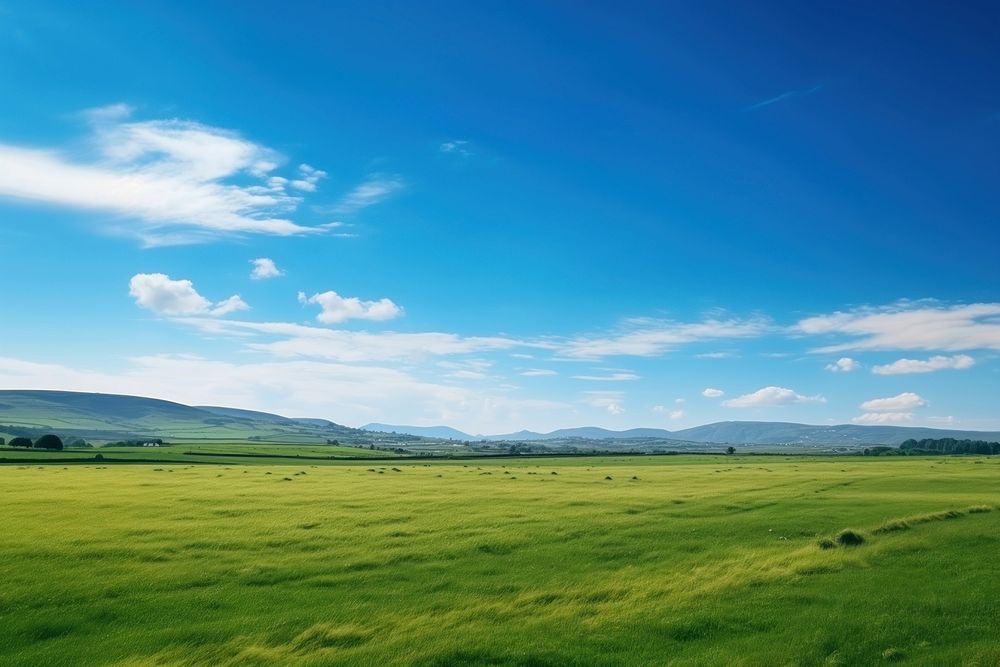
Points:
[730,450]
[49,441]
[20,442]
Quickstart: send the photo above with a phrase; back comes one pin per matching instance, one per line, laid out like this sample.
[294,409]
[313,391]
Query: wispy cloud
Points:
[537,372]
[460,147]
[935,363]
[784,96]
[610,401]
[374,190]
[167,181]
[650,337]
[611,377]
[909,325]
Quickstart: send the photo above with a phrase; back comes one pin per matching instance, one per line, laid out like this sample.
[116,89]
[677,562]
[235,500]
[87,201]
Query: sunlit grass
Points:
[686,560]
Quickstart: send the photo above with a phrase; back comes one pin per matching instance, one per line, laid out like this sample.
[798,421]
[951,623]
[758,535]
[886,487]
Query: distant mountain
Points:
[520,436]
[735,433]
[775,433]
[444,432]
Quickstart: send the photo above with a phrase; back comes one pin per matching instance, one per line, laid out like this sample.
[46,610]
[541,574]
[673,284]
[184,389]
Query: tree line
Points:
[48,441]
[950,446]
[935,446]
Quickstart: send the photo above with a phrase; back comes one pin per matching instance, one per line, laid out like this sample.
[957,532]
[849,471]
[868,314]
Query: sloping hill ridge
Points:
[120,417]
[444,432]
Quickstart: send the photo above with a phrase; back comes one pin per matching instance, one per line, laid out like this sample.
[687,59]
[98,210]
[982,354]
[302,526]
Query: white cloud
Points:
[843,365]
[369,193]
[456,147]
[935,363]
[670,412]
[298,340]
[910,325]
[308,178]
[335,308]
[770,397]
[536,372]
[716,355]
[264,268]
[169,181]
[613,377]
[883,418]
[712,393]
[231,305]
[162,295]
[945,420]
[901,402]
[649,338]
[611,401]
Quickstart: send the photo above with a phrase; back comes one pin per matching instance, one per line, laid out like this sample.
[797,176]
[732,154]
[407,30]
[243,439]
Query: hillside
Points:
[116,417]
[443,432]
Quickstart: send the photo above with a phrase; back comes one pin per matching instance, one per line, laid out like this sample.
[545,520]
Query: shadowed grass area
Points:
[697,561]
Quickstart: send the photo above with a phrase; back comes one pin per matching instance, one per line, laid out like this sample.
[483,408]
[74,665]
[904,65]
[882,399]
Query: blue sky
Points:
[506,215]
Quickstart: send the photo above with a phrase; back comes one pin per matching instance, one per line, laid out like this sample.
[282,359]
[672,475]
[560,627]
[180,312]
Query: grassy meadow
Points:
[686,560]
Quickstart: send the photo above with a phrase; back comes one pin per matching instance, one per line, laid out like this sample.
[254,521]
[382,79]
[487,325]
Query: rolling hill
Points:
[117,417]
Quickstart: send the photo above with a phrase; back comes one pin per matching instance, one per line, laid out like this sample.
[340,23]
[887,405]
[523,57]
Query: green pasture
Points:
[674,560]
[221,452]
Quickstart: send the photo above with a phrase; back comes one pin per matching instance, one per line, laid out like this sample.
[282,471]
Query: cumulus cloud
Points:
[162,295]
[901,402]
[843,365]
[712,393]
[935,363]
[770,397]
[165,181]
[335,308]
[875,418]
[264,268]
[909,325]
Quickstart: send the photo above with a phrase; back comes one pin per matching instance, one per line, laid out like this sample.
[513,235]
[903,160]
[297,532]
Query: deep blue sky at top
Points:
[626,159]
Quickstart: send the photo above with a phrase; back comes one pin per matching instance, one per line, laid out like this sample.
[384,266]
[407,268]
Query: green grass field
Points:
[225,452]
[673,560]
